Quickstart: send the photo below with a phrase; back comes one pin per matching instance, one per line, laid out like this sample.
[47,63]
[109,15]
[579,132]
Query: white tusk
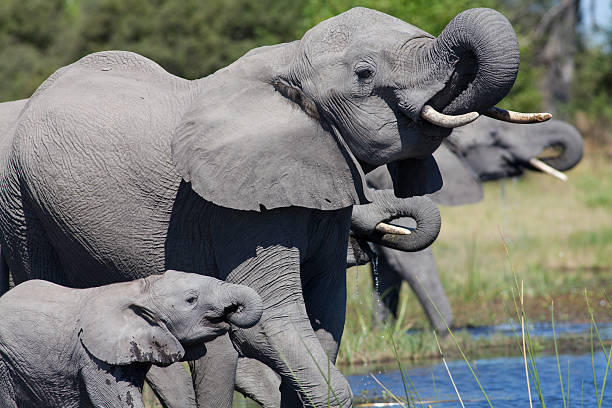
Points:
[516,117]
[447,121]
[540,165]
[392,229]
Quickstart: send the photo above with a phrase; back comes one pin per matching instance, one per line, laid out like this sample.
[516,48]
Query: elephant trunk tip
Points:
[244,309]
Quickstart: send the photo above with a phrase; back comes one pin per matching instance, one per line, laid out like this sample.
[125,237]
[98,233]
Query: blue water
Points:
[536,329]
[503,379]
[540,329]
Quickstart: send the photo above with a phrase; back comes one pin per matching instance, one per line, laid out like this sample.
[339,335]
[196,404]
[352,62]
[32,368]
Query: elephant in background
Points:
[63,347]
[481,151]
[120,169]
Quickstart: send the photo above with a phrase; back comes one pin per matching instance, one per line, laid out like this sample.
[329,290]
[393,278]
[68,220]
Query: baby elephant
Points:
[62,347]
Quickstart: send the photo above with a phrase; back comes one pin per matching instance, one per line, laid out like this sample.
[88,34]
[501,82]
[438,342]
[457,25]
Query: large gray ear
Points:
[415,177]
[244,145]
[120,334]
[461,184]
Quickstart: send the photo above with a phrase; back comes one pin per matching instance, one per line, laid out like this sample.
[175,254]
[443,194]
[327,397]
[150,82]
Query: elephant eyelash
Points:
[364,73]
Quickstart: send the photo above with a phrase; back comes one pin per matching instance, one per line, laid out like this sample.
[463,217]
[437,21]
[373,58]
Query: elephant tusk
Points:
[392,229]
[540,165]
[516,117]
[447,121]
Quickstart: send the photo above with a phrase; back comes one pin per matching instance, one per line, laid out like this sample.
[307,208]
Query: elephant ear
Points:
[246,146]
[121,334]
[461,184]
[415,177]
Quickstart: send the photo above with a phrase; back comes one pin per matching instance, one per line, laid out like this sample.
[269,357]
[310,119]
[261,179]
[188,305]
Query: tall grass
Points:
[526,343]
[558,233]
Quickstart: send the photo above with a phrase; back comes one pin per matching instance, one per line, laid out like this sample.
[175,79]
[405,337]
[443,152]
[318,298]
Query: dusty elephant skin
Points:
[63,347]
[484,150]
[118,168]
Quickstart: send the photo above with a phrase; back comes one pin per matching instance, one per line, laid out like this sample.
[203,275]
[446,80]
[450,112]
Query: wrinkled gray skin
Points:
[484,150]
[174,389]
[118,168]
[63,347]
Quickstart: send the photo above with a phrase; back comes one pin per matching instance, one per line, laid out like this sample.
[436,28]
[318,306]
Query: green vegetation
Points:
[560,243]
[192,38]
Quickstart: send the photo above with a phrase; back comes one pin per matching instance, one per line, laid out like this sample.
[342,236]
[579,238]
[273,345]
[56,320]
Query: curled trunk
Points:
[565,141]
[386,207]
[470,67]
[242,305]
[482,47]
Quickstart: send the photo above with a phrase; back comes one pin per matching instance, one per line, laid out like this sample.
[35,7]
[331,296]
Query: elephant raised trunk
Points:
[481,48]
[566,140]
[476,59]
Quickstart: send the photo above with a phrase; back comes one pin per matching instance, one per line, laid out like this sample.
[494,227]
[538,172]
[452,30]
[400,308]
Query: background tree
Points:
[560,70]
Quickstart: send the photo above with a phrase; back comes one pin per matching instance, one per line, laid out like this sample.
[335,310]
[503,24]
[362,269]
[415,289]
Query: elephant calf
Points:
[62,347]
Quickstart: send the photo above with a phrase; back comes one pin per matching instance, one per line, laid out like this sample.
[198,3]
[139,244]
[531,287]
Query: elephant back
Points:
[92,155]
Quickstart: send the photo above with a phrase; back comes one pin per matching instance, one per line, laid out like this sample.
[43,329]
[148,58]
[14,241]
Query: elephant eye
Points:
[191,299]
[364,72]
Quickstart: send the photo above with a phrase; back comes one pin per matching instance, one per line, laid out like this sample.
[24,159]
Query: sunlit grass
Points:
[526,343]
[560,238]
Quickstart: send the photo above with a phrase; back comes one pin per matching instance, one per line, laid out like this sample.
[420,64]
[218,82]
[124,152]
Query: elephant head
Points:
[165,318]
[491,150]
[359,90]
[481,151]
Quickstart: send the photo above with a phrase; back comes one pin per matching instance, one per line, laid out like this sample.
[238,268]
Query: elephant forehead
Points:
[368,20]
[358,27]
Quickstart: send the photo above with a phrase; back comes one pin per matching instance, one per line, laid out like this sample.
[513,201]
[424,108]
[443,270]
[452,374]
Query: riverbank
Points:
[559,237]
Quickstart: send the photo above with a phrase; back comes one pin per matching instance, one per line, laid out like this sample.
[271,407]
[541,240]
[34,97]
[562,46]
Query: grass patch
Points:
[561,243]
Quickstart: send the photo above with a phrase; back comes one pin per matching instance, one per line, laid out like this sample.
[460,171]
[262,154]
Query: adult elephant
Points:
[481,151]
[123,170]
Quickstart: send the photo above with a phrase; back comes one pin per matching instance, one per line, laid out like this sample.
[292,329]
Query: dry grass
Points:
[560,237]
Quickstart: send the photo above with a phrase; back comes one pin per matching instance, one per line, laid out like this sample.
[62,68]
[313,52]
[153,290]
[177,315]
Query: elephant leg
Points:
[172,385]
[284,339]
[258,382]
[268,257]
[419,270]
[214,374]
[25,244]
[325,301]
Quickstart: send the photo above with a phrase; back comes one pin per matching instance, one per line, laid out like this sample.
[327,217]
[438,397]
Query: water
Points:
[540,329]
[502,378]
[537,329]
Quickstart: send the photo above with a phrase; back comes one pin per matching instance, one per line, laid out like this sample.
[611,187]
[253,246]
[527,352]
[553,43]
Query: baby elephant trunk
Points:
[242,305]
